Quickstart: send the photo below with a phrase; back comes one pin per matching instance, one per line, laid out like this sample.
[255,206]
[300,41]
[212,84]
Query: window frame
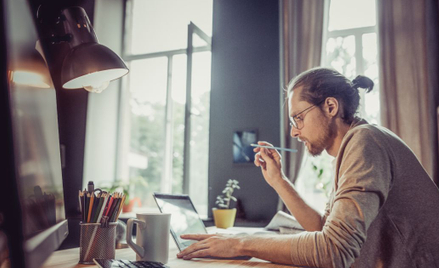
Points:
[359,63]
[124,117]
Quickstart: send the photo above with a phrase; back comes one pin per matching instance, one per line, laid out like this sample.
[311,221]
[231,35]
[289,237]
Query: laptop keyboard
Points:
[110,263]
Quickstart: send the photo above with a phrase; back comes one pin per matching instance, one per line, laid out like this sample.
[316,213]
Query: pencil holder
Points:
[97,241]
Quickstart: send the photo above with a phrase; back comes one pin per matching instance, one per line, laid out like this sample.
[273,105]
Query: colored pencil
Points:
[110,202]
[121,207]
[87,204]
[116,209]
[90,207]
[113,205]
[96,212]
[106,195]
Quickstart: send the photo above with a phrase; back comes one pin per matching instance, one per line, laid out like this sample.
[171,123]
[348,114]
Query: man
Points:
[383,210]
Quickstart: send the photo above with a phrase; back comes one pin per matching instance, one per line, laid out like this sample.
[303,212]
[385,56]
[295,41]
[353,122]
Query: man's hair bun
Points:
[363,82]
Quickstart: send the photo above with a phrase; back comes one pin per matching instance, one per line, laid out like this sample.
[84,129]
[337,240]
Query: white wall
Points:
[103,109]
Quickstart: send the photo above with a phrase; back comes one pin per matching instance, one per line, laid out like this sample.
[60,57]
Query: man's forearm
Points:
[309,218]
[274,248]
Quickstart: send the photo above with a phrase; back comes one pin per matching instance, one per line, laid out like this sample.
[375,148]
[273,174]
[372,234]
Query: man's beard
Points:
[324,139]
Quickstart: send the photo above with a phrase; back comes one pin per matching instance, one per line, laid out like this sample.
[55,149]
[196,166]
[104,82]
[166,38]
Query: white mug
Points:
[152,236]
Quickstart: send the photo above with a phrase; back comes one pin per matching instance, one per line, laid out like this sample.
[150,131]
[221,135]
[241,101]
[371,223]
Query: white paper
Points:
[282,222]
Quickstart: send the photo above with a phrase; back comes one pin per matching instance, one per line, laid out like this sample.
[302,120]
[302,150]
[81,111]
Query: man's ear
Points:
[332,106]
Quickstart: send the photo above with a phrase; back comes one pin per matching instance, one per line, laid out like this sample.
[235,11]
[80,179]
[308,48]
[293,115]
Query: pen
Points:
[272,147]
[91,187]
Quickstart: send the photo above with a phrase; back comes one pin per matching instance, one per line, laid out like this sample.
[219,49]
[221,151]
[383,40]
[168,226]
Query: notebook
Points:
[184,219]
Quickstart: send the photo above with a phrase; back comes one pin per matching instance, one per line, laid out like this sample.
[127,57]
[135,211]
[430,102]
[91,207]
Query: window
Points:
[351,48]
[166,99]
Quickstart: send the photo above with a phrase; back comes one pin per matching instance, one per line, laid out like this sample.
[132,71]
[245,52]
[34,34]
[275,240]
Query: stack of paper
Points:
[284,223]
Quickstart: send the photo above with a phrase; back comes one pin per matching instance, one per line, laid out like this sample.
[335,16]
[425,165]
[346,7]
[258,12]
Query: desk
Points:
[69,258]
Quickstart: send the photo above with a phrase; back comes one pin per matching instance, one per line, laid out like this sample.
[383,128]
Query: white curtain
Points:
[301,46]
[408,36]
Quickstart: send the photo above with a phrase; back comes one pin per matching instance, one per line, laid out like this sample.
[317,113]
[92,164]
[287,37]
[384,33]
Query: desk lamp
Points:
[30,70]
[87,64]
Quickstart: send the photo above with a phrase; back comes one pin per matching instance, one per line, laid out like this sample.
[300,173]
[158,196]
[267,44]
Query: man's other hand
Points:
[224,246]
[270,162]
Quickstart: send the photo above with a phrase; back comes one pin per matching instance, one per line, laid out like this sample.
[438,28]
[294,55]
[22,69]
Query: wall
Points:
[11,235]
[103,109]
[245,95]
[72,114]
[87,122]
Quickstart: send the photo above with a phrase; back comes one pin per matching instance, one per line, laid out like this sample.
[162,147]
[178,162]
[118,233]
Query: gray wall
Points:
[245,95]
[72,114]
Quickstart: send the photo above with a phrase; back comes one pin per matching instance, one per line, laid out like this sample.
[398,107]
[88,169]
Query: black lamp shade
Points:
[84,62]
[91,65]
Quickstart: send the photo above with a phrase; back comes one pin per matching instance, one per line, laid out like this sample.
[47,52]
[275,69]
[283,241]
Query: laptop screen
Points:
[184,217]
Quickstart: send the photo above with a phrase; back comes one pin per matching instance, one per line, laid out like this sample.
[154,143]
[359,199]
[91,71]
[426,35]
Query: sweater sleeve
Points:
[364,180]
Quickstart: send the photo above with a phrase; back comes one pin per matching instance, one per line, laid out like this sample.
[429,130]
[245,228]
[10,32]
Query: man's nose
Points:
[294,132]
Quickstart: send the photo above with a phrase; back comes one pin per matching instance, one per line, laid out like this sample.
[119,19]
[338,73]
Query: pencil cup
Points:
[97,242]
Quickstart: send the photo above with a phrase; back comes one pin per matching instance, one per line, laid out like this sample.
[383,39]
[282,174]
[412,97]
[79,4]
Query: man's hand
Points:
[225,246]
[270,162]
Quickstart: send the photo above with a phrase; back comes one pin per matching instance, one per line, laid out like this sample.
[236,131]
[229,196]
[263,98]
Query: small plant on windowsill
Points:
[224,216]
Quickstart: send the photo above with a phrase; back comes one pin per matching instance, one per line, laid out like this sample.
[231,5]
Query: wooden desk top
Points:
[69,259]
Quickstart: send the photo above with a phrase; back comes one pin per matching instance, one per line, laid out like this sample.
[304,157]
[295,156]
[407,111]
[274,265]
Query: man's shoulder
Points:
[371,138]
[369,132]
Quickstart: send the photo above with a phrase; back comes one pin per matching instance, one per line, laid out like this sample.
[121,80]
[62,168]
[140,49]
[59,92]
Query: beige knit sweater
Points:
[383,211]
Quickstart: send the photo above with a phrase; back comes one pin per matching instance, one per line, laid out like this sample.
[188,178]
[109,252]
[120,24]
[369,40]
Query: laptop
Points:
[184,219]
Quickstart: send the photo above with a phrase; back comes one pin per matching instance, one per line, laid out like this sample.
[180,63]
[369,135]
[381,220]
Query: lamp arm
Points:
[57,39]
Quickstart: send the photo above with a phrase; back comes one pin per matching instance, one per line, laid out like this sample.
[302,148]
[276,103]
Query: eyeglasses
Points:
[297,119]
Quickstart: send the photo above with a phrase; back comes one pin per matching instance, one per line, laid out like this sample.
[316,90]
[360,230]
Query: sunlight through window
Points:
[155,115]
[350,48]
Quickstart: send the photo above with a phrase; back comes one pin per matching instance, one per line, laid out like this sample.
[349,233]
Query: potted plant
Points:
[224,216]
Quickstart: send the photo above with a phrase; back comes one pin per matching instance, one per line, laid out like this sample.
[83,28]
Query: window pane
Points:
[370,57]
[161,25]
[147,84]
[315,180]
[200,130]
[340,55]
[157,119]
[178,104]
[347,14]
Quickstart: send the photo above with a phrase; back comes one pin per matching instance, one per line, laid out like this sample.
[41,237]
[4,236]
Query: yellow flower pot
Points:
[224,218]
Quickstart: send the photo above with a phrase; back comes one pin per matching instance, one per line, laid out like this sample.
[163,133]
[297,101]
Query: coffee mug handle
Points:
[138,249]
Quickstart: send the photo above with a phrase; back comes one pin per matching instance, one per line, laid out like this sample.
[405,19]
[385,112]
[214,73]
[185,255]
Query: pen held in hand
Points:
[272,147]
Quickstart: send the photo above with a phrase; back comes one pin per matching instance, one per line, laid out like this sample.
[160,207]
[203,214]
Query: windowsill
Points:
[132,214]
[238,223]
[207,221]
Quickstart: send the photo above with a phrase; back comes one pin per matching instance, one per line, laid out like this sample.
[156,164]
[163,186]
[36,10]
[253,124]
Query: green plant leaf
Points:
[223,201]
